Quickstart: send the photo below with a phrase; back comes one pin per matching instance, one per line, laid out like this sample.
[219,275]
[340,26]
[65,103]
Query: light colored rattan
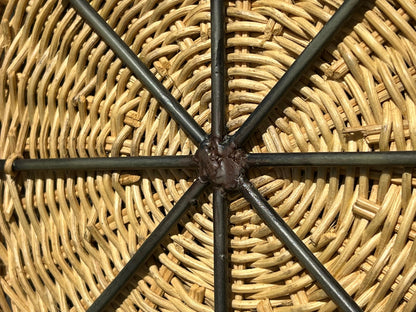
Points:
[63,93]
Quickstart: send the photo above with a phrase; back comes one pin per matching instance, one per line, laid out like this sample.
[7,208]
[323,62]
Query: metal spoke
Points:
[102,163]
[283,86]
[221,269]
[130,59]
[344,159]
[218,68]
[295,245]
[146,249]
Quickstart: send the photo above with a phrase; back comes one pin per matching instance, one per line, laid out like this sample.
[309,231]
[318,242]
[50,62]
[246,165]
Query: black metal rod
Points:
[295,245]
[285,84]
[146,249]
[139,69]
[347,159]
[221,269]
[218,68]
[102,163]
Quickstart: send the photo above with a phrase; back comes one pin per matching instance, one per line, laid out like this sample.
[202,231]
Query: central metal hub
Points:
[221,164]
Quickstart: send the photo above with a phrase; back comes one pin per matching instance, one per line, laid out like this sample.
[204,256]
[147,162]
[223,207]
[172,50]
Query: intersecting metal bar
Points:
[346,159]
[218,68]
[146,249]
[283,86]
[221,270]
[103,163]
[139,69]
[295,245]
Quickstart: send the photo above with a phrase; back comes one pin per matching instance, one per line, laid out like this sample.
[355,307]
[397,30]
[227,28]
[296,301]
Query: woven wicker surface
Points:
[63,93]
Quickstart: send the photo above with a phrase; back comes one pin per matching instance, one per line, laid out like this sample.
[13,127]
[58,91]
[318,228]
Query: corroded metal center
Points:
[221,164]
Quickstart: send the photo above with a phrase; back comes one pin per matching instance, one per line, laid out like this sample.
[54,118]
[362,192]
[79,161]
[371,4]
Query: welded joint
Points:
[221,164]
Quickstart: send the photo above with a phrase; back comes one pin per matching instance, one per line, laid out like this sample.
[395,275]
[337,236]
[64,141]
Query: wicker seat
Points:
[64,236]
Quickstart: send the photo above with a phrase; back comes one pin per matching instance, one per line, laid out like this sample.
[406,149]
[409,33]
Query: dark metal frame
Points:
[196,133]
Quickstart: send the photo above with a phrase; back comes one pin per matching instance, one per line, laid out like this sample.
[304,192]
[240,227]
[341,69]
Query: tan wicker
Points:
[63,93]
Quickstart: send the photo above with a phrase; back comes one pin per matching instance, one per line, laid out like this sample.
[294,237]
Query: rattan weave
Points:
[65,235]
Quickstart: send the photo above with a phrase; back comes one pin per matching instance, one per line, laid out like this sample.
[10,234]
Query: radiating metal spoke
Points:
[130,59]
[222,283]
[102,163]
[146,249]
[218,68]
[285,84]
[295,245]
[220,206]
[345,159]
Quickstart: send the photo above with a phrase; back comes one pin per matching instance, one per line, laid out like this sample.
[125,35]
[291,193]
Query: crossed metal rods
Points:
[199,137]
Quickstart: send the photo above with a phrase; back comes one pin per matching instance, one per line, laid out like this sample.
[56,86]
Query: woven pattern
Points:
[63,93]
